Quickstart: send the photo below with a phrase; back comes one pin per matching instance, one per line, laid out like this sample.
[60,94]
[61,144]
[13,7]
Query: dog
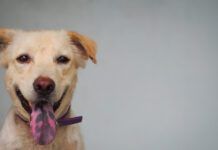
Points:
[41,75]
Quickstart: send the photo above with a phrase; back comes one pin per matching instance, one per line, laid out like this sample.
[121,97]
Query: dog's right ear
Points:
[86,45]
[6,36]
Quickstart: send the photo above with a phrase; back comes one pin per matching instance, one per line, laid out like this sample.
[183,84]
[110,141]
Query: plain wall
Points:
[155,86]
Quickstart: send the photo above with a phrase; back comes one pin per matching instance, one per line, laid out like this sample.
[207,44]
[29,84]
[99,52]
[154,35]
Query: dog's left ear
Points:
[5,40]
[86,45]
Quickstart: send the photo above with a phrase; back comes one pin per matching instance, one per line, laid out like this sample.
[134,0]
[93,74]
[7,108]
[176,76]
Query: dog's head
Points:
[41,67]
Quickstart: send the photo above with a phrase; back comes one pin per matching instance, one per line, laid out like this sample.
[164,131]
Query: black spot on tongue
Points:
[43,123]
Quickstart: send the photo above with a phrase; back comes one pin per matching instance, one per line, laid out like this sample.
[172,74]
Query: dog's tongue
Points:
[43,123]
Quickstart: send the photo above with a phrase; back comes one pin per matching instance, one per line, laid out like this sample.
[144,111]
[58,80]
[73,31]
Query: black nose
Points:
[44,85]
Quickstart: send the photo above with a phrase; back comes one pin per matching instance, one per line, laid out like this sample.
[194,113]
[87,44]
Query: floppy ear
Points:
[5,40]
[86,45]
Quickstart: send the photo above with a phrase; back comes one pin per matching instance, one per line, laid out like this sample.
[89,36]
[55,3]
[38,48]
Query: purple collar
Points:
[69,121]
[63,121]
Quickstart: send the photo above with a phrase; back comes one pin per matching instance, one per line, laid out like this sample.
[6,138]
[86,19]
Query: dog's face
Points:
[41,66]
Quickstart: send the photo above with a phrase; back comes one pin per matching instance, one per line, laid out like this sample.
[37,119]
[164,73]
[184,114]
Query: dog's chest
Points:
[61,142]
[15,135]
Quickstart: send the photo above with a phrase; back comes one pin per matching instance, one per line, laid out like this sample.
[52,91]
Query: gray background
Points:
[155,86]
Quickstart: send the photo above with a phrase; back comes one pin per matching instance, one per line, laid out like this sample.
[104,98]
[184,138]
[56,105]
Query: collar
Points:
[62,121]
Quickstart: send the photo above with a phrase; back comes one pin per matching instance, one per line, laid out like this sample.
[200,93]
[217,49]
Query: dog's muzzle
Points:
[42,118]
[27,106]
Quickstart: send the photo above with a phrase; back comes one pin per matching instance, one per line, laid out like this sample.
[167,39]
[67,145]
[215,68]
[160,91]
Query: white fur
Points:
[43,47]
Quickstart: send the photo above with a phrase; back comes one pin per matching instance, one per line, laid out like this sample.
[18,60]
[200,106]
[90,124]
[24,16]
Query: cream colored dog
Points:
[41,75]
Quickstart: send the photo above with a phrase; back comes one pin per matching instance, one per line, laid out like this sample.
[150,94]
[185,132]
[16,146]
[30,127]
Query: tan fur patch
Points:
[85,44]
[5,38]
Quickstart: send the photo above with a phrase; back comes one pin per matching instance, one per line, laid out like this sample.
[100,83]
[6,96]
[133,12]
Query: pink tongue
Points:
[43,123]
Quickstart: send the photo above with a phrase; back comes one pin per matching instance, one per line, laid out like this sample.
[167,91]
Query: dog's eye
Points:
[23,58]
[62,60]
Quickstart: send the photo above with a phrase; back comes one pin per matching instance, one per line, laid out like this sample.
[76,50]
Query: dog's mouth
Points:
[42,117]
[26,105]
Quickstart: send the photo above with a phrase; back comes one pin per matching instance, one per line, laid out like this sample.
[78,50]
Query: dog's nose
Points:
[44,85]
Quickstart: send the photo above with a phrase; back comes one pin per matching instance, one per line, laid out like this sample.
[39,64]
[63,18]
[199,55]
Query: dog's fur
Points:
[43,47]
